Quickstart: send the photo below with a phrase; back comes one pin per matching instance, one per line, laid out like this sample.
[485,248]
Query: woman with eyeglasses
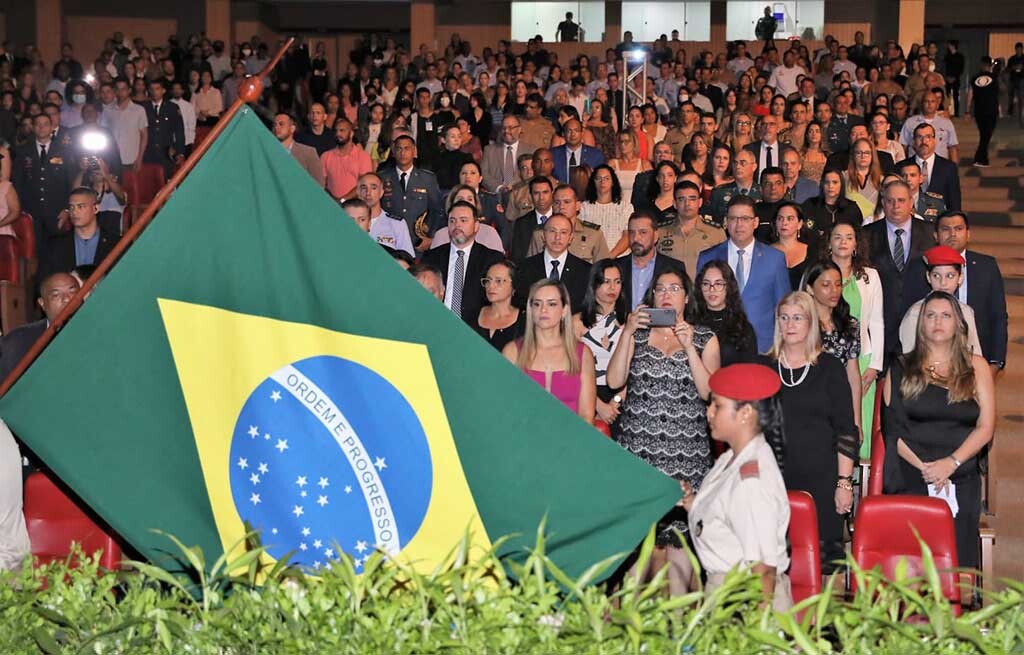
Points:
[863,176]
[742,131]
[878,124]
[599,325]
[821,436]
[499,321]
[717,305]
[664,418]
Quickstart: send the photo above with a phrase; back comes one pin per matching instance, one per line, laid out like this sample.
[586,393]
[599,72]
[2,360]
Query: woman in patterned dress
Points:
[663,419]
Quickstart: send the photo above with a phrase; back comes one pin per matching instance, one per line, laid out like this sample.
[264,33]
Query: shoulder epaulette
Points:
[593,226]
[750,470]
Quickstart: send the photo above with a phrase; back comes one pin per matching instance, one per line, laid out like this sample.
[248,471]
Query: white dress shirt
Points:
[961,293]
[452,257]
[762,159]
[561,263]
[734,257]
[890,231]
[931,170]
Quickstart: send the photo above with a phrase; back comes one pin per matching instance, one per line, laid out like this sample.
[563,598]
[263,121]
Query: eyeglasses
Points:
[495,281]
[794,318]
[744,123]
[668,288]
[717,285]
[745,219]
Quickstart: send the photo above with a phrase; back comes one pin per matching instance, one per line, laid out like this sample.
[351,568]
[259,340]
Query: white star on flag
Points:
[316,564]
[282,445]
[303,546]
[254,499]
[254,431]
[297,510]
[317,544]
[321,501]
[275,395]
[266,437]
[348,489]
[254,478]
[379,463]
[273,531]
[356,563]
[329,552]
[305,532]
[361,546]
[301,481]
[263,468]
[303,494]
[323,483]
[243,463]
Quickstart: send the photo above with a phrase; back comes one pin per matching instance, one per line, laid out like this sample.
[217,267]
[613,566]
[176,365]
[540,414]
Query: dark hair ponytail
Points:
[769,414]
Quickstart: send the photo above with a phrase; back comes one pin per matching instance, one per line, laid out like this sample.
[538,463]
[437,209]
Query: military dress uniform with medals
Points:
[42,178]
[674,243]
[418,202]
[930,205]
[721,196]
[166,135]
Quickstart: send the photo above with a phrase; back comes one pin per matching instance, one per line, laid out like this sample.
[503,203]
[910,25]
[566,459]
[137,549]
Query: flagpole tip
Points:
[251,89]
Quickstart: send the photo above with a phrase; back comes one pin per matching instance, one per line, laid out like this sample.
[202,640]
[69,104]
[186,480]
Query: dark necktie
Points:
[403,178]
[572,160]
[554,271]
[42,154]
[458,274]
[899,256]
[768,157]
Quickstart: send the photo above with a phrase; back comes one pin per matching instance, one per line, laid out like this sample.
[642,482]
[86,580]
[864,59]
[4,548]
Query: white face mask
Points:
[78,98]
[445,102]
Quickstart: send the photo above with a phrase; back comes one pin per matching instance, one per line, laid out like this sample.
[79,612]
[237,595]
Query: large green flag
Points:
[256,358]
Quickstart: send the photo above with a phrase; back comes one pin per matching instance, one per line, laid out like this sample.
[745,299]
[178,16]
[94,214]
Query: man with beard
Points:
[643,264]
[345,163]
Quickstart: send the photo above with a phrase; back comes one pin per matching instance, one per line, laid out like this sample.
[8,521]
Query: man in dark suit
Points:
[982,288]
[56,292]
[767,151]
[555,262]
[463,262]
[166,144]
[938,174]
[840,161]
[760,270]
[573,154]
[411,193]
[42,177]
[88,243]
[642,266]
[542,195]
[892,245]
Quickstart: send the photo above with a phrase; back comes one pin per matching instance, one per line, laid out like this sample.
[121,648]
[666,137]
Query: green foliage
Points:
[471,608]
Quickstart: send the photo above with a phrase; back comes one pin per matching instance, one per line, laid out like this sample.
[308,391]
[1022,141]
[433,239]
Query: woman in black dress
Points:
[499,321]
[830,206]
[939,413]
[717,305]
[822,439]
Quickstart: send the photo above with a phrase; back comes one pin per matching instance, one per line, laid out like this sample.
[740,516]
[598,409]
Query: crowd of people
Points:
[793,210]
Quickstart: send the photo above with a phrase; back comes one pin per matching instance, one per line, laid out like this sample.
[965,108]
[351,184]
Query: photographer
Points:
[93,173]
[91,139]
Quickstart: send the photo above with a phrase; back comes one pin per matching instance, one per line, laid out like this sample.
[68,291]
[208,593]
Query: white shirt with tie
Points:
[890,231]
[561,263]
[762,159]
[926,178]
[515,164]
[734,259]
[453,256]
[569,154]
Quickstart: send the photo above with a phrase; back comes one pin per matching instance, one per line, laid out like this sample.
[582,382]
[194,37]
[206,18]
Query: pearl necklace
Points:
[791,383]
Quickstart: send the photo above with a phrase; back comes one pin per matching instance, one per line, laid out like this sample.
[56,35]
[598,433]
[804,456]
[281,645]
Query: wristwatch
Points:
[617,398]
[955,461]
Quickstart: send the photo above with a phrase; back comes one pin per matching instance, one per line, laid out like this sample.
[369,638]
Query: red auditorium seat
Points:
[202,132]
[883,534]
[54,521]
[805,566]
[871,475]
[10,263]
[143,186]
[127,217]
[603,427]
[26,234]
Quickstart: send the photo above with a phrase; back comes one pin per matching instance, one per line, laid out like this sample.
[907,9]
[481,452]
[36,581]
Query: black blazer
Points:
[16,343]
[62,251]
[480,259]
[943,179]
[522,235]
[662,263]
[985,295]
[575,275]
[166,132]
[43,187]
[921,238]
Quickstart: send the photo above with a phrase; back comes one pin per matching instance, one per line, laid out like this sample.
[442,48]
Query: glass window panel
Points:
[800,18]
[532,18]
[649,20]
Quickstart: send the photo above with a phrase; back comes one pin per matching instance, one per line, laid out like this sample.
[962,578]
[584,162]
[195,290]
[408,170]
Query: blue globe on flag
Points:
[327,457]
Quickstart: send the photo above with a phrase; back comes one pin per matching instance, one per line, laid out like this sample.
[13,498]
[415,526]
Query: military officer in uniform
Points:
[166,144]
[928,205]
[684,237]
[745,165]
[42,177]
[588,242]
[739,518]
[411,194]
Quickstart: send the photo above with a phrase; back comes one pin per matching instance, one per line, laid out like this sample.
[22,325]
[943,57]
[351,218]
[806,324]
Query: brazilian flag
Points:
[256,358]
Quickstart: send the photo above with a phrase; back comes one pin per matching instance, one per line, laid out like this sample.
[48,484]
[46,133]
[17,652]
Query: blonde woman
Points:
[742,131]
[821,436]
[629,163]
[864,172]
[549,352]
[941,412]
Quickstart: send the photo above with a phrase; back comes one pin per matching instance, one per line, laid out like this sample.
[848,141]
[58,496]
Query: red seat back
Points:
[877,448]
[26,236]
[603,427]
[805,566]
[883,534]
[10,266]
[143,185]
[54,521]
[202,133]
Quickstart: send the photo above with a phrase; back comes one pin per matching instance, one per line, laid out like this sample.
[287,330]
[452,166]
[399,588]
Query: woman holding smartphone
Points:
[663,419]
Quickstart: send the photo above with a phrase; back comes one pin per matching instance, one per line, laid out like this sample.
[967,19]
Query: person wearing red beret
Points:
[944,272]
[740,515]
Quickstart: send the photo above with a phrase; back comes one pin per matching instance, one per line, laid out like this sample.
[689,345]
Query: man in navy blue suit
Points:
[573,153]
[760,269]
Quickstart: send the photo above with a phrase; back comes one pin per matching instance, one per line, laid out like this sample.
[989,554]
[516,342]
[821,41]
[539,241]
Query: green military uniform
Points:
[930,205]
[588,242]
[678,140]
[674,243]
[721,196]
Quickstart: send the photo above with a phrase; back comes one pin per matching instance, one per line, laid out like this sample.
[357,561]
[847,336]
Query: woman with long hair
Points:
[499,321]
[629,163]
[779,111]
[599,325]
[717,305]
[565,114]
[500,104]
[940,413]
[721,166]
[815,153]
[610,114]
[207,100]
[763,106]
[862,291]
[549,352]
[604,205]
[789,223]
[479,118]
[635,123]
[519,93]
[664,420]
[879,125]
[831,206]
[840,332]
[742,131]
[661,194]
[863,176]
[697,157]
[652,127]
[601,128]
[822,437]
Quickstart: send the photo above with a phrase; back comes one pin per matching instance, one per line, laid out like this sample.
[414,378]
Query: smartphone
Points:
[661,317]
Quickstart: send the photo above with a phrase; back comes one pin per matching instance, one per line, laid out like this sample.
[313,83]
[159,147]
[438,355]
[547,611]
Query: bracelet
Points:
[846,477]
[845,485]
[956,462]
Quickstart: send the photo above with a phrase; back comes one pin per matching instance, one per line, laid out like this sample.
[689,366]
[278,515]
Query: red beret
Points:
[943,256]
[747,382]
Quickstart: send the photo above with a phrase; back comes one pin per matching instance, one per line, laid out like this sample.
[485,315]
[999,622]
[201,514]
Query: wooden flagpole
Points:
[249,91]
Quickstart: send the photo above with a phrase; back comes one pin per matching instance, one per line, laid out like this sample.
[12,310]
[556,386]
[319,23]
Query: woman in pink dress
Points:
[550,353]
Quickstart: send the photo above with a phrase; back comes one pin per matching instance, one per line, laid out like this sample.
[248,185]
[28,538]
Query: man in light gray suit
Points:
[284,130]
[499,161]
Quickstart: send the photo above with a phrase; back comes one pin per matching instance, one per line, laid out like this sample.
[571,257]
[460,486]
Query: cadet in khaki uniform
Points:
[588,242]
[688,234]
[740,515]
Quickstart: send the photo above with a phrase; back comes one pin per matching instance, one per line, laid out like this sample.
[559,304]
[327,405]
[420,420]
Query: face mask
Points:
[78,98]
[246,52]
[445,102]
[683,97]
